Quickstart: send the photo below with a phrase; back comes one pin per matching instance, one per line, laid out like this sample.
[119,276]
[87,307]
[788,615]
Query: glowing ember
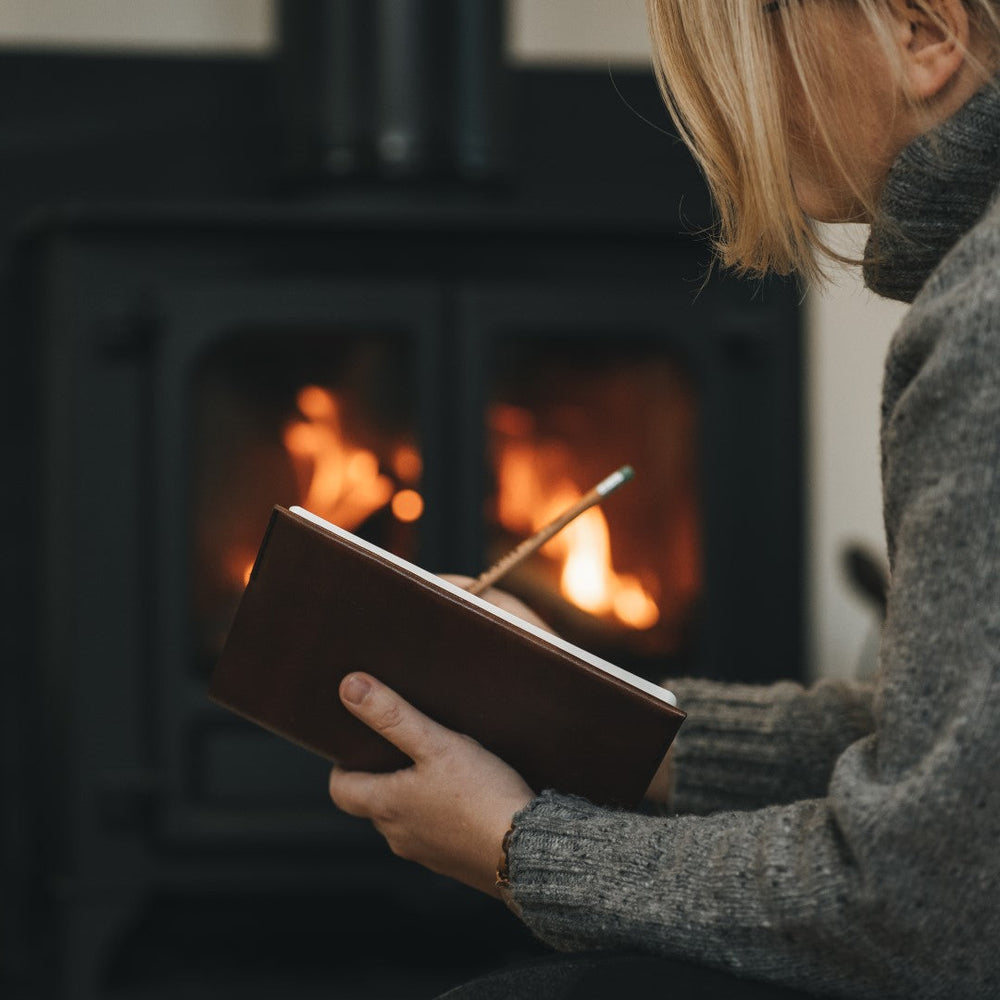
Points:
[407,505]
[407,463]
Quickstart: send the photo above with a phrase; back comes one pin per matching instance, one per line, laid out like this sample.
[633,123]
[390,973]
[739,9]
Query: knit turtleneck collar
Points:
[938,187]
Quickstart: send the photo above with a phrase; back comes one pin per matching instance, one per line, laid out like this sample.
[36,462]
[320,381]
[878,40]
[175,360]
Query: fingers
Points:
[358,793]
[391,716]
[353,791]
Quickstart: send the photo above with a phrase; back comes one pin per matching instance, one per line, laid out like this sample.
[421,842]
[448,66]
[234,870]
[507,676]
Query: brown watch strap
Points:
[503,865]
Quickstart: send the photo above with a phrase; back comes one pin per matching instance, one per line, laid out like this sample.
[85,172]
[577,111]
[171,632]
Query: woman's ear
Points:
[934,40]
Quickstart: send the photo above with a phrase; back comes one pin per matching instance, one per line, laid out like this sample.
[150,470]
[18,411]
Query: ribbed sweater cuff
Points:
[555,839]
[746,746]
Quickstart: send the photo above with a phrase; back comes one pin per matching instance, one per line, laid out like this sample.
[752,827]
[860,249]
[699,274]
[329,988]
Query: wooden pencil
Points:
[537,540]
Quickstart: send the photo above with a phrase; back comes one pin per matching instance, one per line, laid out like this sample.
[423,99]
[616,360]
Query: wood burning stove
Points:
[196,369]
[429,365]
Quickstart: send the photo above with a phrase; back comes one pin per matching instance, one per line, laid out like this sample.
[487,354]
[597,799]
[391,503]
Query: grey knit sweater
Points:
[846,839]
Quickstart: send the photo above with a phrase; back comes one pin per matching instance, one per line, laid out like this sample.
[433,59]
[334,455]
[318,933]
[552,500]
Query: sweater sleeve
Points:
[745,746]
[766,894]
[885,883]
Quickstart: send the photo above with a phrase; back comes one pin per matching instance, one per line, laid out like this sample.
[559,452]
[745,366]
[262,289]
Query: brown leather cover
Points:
[319,606]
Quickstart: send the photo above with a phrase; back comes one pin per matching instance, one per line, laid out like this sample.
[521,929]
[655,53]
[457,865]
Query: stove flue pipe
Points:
[394,89]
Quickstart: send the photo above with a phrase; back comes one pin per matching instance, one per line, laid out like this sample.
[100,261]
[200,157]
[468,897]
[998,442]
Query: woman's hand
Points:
[450,809]
[661,787]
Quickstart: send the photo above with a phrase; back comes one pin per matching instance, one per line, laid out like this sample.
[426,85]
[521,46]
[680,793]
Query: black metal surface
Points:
[325,76]
[402,89]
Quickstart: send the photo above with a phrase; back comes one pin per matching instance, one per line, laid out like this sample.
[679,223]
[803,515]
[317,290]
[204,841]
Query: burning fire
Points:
[528,499]
[341,481]
[345,484]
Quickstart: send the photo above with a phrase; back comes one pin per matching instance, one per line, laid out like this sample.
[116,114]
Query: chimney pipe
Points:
[392,89]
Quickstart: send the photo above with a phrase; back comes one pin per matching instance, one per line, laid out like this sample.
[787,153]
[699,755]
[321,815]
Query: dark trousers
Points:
[614,976]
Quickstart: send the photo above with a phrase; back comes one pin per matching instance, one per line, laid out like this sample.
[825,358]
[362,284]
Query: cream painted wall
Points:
[578,31]
[847,329]
[540,30]
[848,333]
[224,25]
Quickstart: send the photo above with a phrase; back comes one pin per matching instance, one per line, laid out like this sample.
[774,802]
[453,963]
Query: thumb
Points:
[391,716]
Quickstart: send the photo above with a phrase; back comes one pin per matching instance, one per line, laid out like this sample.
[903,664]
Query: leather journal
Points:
[322,603]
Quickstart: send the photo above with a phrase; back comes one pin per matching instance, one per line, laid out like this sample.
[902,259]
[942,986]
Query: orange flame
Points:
[345,485]
[339,480]
[526,502]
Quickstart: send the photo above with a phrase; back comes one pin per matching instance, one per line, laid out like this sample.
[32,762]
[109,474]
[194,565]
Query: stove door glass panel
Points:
[323,419]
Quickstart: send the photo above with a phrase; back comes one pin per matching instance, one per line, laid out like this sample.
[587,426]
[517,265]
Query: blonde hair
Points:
[726,69]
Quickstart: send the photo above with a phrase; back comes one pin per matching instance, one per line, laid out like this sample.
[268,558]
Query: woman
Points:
[841,840]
